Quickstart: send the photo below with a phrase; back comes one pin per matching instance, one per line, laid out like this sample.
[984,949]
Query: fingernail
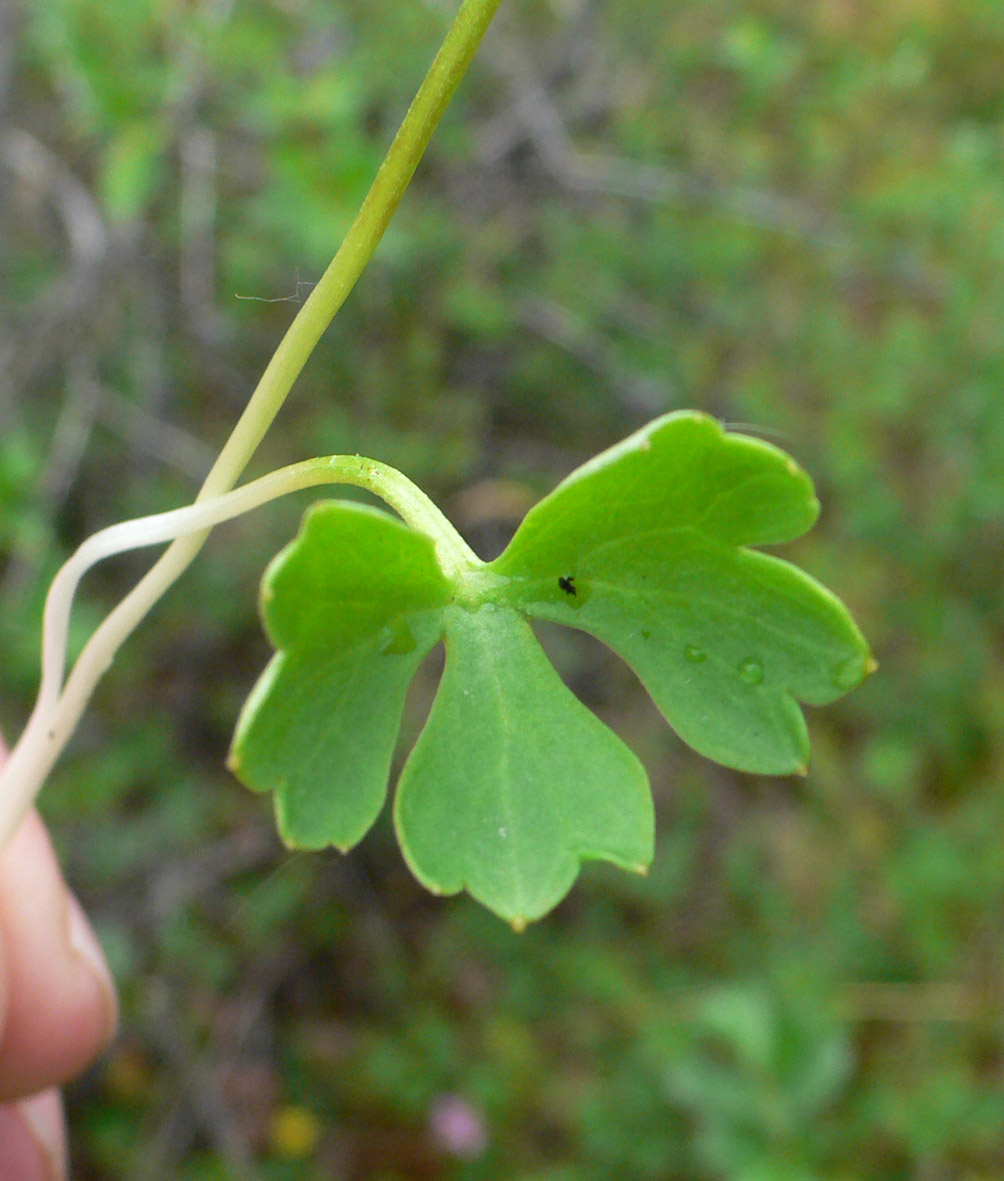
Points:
[85,944]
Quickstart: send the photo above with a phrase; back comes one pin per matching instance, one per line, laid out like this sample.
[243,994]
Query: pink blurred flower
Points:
[458,1127]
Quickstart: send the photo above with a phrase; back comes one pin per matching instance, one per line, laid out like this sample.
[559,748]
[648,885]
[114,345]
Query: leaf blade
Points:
[538,784]
[353,607]
[726,640]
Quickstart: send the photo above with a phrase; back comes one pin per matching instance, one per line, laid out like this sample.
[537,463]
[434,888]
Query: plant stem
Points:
[364,235]
[55,713]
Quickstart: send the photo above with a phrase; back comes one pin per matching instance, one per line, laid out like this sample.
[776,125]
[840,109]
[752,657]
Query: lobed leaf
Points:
[644,548]
[513,782]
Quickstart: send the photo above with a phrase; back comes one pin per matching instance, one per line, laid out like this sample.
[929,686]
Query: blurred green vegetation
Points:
[787,214]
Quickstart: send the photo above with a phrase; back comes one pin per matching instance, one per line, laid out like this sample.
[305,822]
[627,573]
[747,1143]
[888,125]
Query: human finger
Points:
[57,1000]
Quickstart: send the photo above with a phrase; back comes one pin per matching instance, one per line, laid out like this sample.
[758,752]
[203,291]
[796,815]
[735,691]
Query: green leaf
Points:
[353,605]
[513,781]
[644,548]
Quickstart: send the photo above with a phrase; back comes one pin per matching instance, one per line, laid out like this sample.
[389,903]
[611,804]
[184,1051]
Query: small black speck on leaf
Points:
[567,584]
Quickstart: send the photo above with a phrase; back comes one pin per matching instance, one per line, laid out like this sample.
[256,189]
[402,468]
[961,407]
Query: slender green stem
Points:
[461,43]
[364,236]
[56,713]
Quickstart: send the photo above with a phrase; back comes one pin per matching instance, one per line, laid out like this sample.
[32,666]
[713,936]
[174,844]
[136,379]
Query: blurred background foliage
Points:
[786,214]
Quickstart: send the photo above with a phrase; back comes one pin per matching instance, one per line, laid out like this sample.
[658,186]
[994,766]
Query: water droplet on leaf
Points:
[751,671]
[694,654]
